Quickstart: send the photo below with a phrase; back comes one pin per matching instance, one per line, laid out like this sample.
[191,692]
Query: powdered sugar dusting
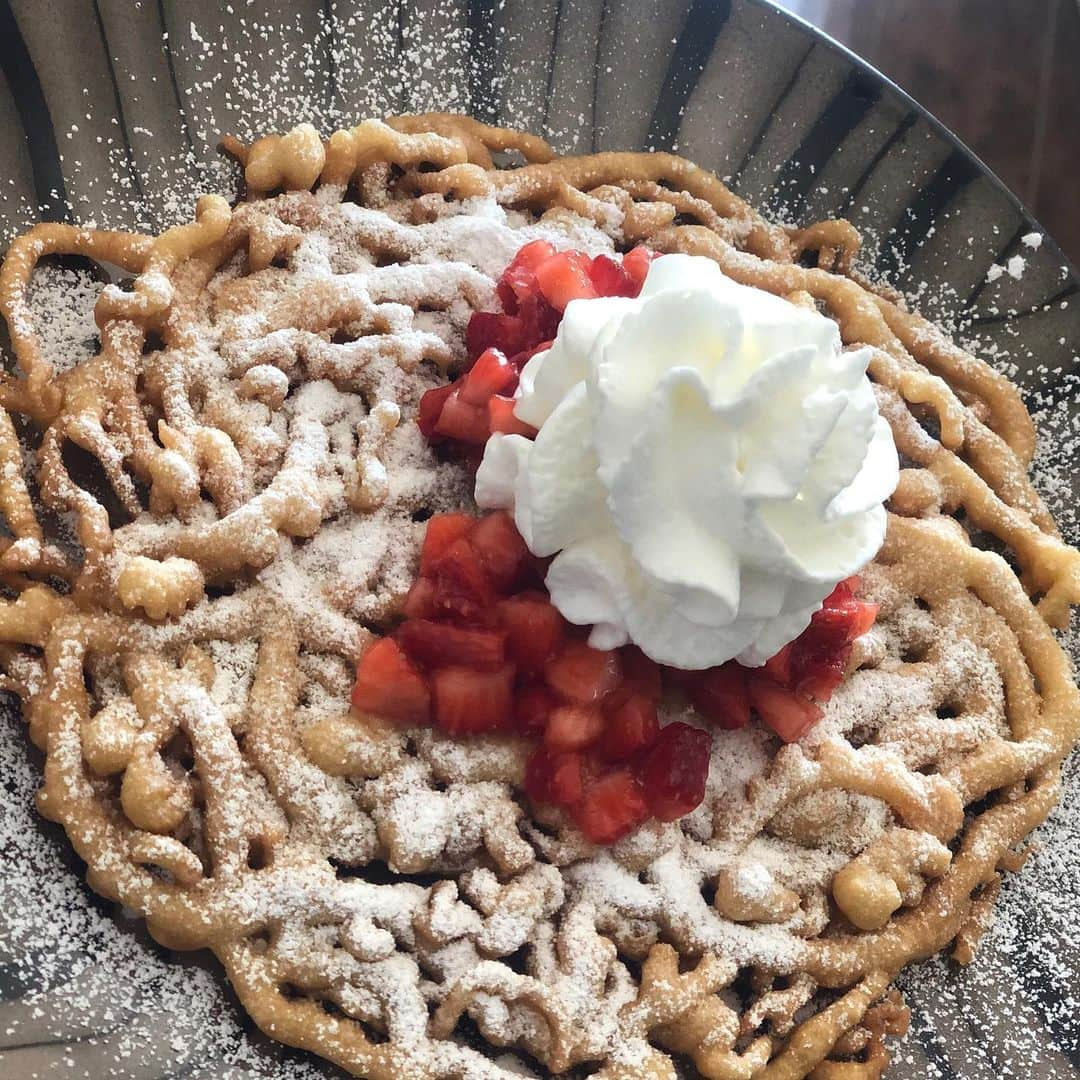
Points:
[61,302]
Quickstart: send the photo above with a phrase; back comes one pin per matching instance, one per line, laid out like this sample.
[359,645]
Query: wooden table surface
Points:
[1003,74]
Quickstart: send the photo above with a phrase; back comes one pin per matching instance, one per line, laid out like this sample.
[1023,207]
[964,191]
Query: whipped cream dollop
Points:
[709,465]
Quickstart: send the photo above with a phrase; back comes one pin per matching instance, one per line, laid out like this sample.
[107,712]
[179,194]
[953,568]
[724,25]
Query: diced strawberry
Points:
[573,727]
[531,255]
[438,644]
[387,685]
[538,775]
[506,289]
[630,728]
[518,280]
[519,360]
[610,279]
[636,264]
[489,329]
[641,675]
[675,769]
[779,667]
[420,600]
[582,674]
[461,585]
[532,707]
[567,781]
[830,628]
[515,286]
[818,678]
[501,418]
[501,549]
[720,695]
[680,677]
[564,277]
[468,701]
[442,531]
[539,321]
[611,807]
[864,617]
[431,407]
[555,778]
[462,421]
[834,627]
[491,374]
[789,713]
[846,590]
[534,629]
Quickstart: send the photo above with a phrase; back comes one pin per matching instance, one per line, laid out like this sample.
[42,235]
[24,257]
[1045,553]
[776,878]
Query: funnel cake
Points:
[243,493]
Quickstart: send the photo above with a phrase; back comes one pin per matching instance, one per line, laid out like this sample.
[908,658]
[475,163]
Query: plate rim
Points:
[940,128]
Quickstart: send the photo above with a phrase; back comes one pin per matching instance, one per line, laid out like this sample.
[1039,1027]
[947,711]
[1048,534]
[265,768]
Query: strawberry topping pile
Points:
[534,291]
[482,648]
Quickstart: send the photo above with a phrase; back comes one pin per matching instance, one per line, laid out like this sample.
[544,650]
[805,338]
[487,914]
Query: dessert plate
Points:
[109,112]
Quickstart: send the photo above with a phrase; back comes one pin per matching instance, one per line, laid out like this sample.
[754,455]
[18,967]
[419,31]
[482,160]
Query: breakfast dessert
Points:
[527,614]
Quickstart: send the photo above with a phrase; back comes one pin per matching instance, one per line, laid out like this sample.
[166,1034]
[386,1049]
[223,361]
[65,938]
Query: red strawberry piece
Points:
[833,627]
[468,701]
[641,675]
[442,531]
[431,407]
[501,549]
[674,771]
[611,807]
[573,727]
[531,255]
[490,374]
[518,280]
[636,264]
[539,321]
[388,685]
[489,329]
[610,279]
[582,674]
[554,778]
[779,667]
[630,728]
[720,695]
[864,617]
[681,678]
[501,418]
[789,713]
[519,360]
[516,284]
[564,277]
[538,775]
[567,780]
[462,421]
[437,644]
[846,590]
[534,629]
[532,707]
[818,678]
[826,634]
[506,291]
[420,600]
[461,584]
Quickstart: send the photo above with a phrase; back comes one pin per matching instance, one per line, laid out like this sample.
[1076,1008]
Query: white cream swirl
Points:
[709,465]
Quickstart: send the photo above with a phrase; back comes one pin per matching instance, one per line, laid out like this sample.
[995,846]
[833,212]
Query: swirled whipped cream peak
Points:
[709,465]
